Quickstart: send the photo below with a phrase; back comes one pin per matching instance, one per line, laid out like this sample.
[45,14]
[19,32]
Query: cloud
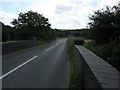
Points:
[67,14]
[62,8]
[7,18]
[21,0]
[104,3]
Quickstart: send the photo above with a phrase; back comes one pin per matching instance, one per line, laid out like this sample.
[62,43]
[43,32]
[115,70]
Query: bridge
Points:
[97,73]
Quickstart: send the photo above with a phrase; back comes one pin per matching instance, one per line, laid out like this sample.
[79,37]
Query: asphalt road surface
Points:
[39,67]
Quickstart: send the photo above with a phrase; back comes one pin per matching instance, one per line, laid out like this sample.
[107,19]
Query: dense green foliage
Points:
[110,52]
[85,33]
[29,25]
[104,35]
[105,25]
[104,50]
[31,20]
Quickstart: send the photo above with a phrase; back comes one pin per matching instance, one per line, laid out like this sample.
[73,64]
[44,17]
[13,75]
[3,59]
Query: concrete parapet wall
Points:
[97,73]
[8,47]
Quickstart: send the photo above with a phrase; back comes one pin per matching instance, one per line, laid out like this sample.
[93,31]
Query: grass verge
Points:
[75,72]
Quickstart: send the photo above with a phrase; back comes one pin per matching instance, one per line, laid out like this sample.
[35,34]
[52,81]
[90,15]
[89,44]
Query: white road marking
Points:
[11,71]
[53,46]
[58,42]
[49,48]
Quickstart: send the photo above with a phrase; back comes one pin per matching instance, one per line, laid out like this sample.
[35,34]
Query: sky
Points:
[62,14]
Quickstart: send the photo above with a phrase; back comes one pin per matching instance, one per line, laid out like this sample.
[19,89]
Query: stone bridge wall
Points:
[9,47]
[96,72]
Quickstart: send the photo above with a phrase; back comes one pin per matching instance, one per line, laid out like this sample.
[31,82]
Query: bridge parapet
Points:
[8,47]
[97,72]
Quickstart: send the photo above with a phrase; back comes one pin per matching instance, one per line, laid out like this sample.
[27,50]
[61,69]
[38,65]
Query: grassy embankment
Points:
[75,70]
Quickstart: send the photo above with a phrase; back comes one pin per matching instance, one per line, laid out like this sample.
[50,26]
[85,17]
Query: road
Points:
[39,67]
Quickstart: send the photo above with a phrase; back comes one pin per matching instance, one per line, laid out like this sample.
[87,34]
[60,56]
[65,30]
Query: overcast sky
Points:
[62,14]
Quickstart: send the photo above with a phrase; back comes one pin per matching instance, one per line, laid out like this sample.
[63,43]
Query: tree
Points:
[116,23]
[31,24]
[8,33]
[105,24]
[30,19]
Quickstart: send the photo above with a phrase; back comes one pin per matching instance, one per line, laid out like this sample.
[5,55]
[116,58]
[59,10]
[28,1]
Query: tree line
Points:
[29,25]
[105,25]
[104,33]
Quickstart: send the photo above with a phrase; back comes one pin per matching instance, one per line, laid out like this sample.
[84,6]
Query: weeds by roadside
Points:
[109,52]
[75,72]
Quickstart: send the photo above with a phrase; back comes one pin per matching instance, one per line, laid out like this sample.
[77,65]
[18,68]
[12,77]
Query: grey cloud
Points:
[76,22]
[62,8]
[76,1]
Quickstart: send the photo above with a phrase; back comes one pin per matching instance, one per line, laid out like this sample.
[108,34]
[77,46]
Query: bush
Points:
[108,52]
[104,51]
[90,45]
[115,60]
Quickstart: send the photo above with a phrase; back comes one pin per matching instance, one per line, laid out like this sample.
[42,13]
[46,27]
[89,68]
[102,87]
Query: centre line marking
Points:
[58,42]
[11,71]
[53,46]
[49,48]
